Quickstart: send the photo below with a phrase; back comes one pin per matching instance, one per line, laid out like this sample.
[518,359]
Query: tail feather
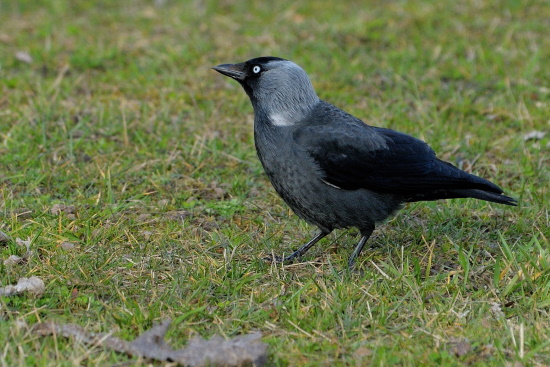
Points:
[455,183]
[495,197]
[485,195]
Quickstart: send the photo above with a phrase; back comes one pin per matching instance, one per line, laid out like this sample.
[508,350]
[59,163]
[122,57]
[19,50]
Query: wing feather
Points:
[361,156]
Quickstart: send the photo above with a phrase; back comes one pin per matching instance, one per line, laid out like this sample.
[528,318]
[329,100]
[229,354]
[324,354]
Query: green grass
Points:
[120,115]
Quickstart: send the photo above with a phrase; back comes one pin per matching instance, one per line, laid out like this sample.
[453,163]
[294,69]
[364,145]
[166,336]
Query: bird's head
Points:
[279,89]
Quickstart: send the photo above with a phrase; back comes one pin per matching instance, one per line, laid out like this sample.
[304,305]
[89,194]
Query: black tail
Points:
[450,182]
[495,197]
[484,195]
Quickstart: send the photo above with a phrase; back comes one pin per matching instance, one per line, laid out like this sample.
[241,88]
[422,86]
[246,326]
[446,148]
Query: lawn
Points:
[130,185]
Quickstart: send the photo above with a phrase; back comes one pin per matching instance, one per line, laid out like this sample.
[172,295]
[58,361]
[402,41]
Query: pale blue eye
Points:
[256,69]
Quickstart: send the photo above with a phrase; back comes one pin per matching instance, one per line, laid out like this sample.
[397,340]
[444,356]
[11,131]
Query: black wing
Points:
[352,155]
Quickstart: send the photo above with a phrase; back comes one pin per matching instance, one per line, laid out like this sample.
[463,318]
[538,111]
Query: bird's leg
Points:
[365,233]
[302,250]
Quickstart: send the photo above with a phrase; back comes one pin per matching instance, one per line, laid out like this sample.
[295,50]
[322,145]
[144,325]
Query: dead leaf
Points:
[242,350]
[22,213]
[218,191]
[496,310]
[74,293]
[177,215]
[20,242]
[4,38]
[487,350]
[362,353]
[13,260]
[460,347]
[34,285]
[534,135]
[143,217]
[23,57]
[62,208]
[146,235]
[67,246]
[27,244]
[4,238]
[163,202]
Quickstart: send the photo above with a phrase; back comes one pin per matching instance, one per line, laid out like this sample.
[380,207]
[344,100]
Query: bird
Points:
[331,168]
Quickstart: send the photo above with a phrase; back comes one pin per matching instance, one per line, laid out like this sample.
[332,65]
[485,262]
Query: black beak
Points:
[235,71]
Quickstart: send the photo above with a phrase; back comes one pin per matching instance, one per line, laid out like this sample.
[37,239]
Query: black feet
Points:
[298,253]
[365,234]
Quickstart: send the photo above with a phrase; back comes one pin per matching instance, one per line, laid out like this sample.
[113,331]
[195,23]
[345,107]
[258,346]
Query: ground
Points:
[130,185]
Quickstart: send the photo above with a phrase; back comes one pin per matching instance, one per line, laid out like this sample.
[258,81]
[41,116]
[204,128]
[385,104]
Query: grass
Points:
[119,115]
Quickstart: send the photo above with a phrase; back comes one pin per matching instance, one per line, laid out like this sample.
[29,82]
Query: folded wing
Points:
[387,161]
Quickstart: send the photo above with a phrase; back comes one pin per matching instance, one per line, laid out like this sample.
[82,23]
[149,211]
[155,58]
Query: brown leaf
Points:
[62,208]
[460,347]
[242,350]
[74,293]
[362,353]
[217,191]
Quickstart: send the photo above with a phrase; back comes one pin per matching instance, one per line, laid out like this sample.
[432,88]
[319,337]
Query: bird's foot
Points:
[281,259]
[274,259]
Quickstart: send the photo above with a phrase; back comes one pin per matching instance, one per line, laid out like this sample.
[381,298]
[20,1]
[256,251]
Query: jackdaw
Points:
[331,168]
